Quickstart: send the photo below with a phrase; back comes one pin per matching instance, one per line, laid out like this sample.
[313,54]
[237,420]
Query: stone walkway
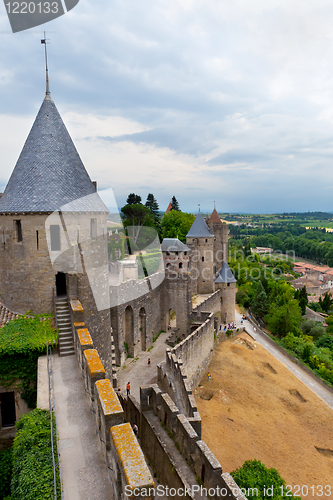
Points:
[137,372]
[83,467]
[324,394]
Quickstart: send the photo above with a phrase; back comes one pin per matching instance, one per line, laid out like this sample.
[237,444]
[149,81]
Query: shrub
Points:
[22,341]
[253,475]
[5,472]
[307,351]
[325,341]
[32,458]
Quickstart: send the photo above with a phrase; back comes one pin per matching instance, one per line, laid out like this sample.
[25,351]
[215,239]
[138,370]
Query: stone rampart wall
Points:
[199,457]
[196,350]
[109,419]
[212,303]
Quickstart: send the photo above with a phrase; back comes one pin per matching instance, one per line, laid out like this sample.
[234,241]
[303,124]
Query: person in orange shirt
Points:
[128,389]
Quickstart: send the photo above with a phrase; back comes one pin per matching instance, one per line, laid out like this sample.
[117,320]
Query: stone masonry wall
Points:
[27,277]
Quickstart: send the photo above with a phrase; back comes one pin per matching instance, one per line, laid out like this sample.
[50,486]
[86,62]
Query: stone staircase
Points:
[66,345]
[6,315]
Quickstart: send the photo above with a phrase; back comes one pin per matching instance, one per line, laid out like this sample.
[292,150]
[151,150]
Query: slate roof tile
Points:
[49,172]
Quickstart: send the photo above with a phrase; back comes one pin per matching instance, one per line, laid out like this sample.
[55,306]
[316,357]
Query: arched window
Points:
[180,265]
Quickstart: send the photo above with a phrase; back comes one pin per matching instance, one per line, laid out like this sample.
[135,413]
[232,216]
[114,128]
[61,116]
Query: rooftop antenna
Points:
[214,205]
[45,41]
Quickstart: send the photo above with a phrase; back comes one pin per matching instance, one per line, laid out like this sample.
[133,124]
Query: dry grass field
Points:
[254,408]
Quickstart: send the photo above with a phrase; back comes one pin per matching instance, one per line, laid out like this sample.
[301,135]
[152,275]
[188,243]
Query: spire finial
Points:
[214,205]
[199,207]
[47,93]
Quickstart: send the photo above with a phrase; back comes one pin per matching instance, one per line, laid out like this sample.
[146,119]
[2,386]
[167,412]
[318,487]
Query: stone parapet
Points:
[130,471]
[77,310]
[82,342]
[108,410]
[93,370]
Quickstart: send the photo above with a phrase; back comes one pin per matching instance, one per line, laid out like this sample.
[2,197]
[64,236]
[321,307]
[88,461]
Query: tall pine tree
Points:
[152,204]
[260,302]
[174,204]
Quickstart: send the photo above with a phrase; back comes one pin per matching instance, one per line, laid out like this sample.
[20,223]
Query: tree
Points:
[152,204]
[176,223]
[260,302]
[326,302]
[303,299]
[260,482]
[136,216]
[174,204]
[284,319]
[329,321]
[133,199]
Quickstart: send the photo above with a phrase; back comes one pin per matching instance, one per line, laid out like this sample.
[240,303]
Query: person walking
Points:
[135,430]
[128,389]
[148,362]
[209,377]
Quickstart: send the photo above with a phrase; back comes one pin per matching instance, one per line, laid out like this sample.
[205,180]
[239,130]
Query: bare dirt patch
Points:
[260,410]
[325,452]
[294,392]
[269,367]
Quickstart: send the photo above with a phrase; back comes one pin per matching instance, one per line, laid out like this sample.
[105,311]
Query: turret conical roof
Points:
[49,172]
[215,218]
[225,275]
[199,229]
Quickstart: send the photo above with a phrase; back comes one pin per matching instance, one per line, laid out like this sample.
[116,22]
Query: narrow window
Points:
[206,241]
[93,229]
[37,240]
[203,259]
[228,284]
[18,228]
[55,238]
[180,265]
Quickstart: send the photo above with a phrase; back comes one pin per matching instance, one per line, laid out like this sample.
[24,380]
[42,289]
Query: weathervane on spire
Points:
[45,41]
[199,207]
[214,205]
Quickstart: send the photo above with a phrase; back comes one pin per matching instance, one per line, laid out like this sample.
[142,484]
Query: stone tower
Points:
[201,242]
[53,230]
[226,282]
[220,231]
[48,175]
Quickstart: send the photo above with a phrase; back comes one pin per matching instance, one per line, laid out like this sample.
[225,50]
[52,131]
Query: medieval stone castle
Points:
[54,239]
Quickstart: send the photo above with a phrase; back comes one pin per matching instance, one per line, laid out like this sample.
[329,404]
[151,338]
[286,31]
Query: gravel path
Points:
[136,370]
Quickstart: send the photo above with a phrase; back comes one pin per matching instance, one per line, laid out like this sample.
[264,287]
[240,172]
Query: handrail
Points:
[56,320]
[52,409]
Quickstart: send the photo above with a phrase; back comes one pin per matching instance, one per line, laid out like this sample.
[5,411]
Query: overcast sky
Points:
[206,100]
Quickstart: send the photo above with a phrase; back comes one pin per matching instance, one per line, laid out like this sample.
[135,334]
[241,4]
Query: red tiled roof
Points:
[169,208]
[215,217]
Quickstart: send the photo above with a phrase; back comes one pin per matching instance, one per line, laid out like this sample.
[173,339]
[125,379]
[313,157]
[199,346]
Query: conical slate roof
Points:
[49,172]
[199,229]
[225,275]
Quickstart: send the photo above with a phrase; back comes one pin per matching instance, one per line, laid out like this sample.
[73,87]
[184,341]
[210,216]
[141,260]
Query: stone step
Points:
[62,310]
[66,343]
[66,352]
[60,305]
[64,322]
[65,331]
